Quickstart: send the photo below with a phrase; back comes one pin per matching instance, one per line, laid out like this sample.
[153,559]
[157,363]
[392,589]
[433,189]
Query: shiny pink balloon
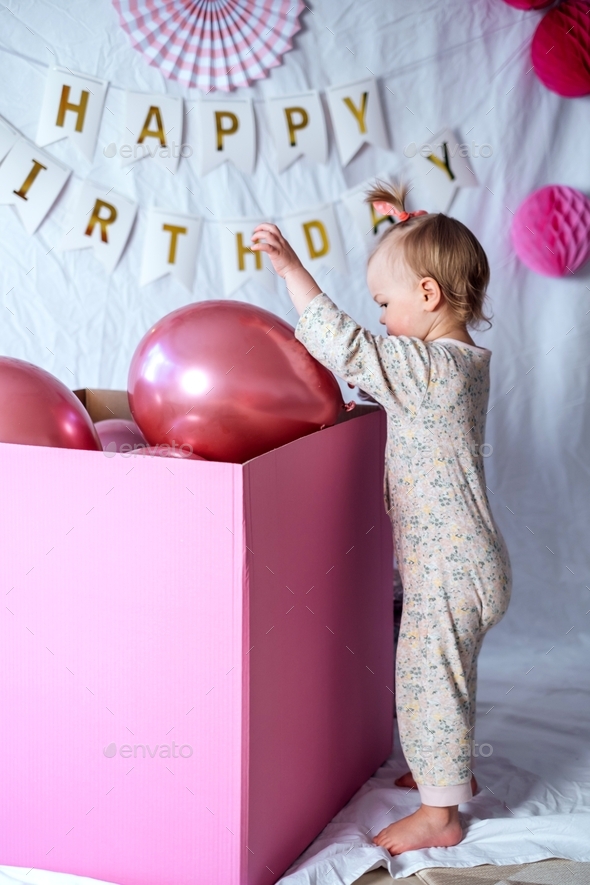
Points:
[164,451]
[36,409]
[231,380]
[117,432]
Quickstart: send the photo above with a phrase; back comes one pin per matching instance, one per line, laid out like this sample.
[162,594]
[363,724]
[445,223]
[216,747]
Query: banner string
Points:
[402,69]
[203,218]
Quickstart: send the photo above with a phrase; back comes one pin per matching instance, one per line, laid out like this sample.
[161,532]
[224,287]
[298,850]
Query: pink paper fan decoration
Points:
[561,49]
[212,44]
[551,230]
[529,4]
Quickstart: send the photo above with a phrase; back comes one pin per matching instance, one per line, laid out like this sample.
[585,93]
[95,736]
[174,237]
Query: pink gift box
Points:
[197,657]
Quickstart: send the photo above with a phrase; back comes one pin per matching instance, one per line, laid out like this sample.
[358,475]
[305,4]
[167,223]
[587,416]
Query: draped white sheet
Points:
[457,63]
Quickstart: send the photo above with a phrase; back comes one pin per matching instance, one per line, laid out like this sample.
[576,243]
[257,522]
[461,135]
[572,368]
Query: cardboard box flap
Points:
[103,404]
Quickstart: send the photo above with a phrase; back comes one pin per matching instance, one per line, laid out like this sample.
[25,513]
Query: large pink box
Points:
[196,657]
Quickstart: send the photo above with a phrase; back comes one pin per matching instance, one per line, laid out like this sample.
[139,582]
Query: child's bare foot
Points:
[406,780]
[429,827]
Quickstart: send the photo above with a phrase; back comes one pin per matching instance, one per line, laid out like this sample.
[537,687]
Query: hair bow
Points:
[385,208]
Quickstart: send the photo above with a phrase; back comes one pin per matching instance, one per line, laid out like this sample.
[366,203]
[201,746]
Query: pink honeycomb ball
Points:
[560,49]
[551,230]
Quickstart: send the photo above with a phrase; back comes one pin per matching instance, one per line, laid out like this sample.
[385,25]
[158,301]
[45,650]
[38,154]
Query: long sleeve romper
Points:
[452,558]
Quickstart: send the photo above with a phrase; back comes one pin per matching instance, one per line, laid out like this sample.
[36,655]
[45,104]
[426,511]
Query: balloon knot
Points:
[350,406]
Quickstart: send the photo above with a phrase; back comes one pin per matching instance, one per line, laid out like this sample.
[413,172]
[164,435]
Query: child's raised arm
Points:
[394,370]
[300,284]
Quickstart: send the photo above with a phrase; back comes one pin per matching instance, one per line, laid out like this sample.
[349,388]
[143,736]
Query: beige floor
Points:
[546,872]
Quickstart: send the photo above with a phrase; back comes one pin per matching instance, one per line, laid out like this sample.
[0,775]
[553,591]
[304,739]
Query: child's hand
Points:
[301,286]
[283,258]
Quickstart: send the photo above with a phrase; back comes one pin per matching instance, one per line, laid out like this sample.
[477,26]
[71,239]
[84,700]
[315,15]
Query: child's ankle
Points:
[443,813]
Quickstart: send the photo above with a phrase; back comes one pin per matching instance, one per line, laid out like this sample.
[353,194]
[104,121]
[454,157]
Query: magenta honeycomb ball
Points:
[560,50]
[551,230]
[529,4]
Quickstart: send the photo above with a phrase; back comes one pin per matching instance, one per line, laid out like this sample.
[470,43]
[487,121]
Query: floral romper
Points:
[452,558]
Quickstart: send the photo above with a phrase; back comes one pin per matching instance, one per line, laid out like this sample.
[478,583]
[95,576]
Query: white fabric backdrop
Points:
[465,64]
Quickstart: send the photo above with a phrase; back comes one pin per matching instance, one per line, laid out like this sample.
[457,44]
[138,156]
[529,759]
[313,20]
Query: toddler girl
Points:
[428,275]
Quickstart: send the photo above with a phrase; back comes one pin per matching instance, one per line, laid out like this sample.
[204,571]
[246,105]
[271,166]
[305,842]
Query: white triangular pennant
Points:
[315,237]
[153,128]
[31,180]
[298,126]
[102,220]
[72,108]
[357,117]
[370,224]
[441,165]
[238,261]
[227,132]
[170,247]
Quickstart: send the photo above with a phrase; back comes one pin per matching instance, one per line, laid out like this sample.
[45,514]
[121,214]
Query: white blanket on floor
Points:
[534,801]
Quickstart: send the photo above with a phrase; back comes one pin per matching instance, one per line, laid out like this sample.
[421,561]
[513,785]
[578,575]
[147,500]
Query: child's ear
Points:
[431,293]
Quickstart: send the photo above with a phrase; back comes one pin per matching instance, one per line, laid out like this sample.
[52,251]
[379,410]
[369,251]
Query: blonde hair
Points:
[437,246]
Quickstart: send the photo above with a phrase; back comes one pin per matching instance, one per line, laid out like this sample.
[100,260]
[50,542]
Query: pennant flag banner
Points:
[228,132]
[153,128]
[356,113]
[369,223]
[170,247]
[299,128]
[31,180]
[102,221]
[72,108]
[443,165]
[240,263]
[315,236]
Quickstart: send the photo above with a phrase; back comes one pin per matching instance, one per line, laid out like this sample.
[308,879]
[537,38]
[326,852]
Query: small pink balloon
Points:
[166,451]
[560,49]
[551,230]
[36,409]
[117,432]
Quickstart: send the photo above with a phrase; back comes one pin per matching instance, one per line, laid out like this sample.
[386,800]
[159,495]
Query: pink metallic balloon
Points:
[117,432]
[231,380]
[36,409]
[165,451]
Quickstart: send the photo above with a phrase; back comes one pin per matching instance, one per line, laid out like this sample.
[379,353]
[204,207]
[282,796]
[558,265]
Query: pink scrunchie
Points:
[385,208]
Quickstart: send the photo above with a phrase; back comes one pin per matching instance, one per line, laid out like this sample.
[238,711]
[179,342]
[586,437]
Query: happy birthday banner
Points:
[31,179]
